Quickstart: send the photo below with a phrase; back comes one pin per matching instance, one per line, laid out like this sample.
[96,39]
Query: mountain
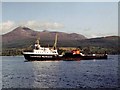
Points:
[106,42]
[22,37]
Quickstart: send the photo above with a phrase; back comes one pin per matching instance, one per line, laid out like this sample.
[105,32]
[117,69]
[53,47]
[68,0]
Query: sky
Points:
[91,19]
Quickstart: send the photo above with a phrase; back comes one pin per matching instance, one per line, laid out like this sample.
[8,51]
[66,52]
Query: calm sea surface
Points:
[16,73]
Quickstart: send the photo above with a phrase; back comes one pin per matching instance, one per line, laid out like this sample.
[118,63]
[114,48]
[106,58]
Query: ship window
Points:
[54,52]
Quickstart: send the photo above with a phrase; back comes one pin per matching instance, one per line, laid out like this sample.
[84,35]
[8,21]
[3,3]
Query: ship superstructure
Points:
[42,53]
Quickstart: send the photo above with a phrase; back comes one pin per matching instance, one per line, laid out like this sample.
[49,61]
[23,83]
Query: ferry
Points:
[45,53]
[42,53]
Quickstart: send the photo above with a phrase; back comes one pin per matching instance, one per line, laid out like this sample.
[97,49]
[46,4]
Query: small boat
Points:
[44,54]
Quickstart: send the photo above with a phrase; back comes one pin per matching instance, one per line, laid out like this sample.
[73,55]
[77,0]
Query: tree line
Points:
[85,50]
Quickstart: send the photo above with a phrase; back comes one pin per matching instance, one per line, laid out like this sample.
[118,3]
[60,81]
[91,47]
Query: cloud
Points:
[43,25]
[35,25]
[94,36]
[6,26]
[52,25]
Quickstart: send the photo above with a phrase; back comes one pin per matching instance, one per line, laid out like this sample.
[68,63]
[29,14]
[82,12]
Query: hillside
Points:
[22,37]
[106,42]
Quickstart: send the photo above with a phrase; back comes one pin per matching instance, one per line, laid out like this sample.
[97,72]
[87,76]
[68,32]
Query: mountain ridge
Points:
[24,33]
[22,37]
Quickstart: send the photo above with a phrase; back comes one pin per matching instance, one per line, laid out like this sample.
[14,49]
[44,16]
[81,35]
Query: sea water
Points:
[16,73]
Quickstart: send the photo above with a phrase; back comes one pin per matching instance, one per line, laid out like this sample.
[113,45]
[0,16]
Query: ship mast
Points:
[37,43]
[55,44]
[38,39]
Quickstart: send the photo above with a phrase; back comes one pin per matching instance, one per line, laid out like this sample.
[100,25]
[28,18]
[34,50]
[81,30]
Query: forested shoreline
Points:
[85,50]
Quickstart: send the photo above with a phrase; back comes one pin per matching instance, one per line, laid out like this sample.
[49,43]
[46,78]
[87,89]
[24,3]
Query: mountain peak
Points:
[45,31]
[23,33]
[22,28]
